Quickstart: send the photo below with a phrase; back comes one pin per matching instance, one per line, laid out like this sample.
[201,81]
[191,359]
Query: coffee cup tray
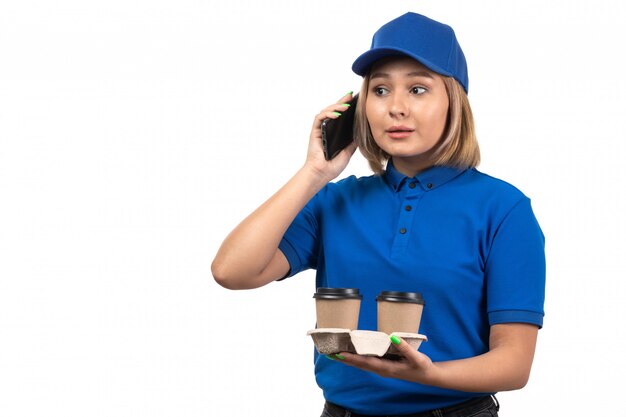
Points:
[362,342]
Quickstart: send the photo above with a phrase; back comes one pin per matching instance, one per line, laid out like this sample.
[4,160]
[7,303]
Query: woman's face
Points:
[407,108]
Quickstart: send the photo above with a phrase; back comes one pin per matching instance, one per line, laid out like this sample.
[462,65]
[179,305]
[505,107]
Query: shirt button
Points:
[408,208]
[402,231]
[412,185]
[429,186]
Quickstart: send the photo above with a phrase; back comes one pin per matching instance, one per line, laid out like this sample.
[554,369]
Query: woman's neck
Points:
[410,166]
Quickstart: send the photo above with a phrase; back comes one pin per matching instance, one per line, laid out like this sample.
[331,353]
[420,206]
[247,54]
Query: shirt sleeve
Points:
[516,269]
[301,240]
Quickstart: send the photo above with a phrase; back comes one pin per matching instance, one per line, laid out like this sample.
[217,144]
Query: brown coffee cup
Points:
[399,311]
[337,307]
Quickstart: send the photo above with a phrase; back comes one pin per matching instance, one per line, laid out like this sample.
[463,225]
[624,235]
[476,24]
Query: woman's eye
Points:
[380,91]
[418,90]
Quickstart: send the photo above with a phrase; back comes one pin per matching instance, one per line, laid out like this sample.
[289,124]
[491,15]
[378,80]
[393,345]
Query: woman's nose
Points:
[398,107]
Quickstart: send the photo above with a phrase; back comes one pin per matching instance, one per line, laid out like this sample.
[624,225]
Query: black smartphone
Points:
[337,133]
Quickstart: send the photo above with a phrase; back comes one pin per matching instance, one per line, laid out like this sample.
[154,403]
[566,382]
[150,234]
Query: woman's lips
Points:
[399,132]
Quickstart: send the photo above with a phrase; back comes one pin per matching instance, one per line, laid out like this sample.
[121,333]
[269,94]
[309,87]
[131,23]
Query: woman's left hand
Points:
[413,366]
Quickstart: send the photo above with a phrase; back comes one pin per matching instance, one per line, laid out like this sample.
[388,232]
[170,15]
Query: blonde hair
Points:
[458,147]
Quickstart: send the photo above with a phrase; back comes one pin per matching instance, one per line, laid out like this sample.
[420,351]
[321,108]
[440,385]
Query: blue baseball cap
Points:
[432,43]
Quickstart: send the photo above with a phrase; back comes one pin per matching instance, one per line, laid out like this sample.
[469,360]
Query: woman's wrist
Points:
[313,176]
[433,375]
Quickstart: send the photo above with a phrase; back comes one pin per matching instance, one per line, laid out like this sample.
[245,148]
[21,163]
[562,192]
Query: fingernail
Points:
[336,113]
[338,356]
[346,104]
[349,92]
[330,357]
[395,339]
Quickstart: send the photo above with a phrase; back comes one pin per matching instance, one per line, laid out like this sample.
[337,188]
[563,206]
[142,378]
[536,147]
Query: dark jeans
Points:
[478,407]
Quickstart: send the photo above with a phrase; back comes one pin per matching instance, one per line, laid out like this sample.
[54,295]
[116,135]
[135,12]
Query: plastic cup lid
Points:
[338,294]
[401,297]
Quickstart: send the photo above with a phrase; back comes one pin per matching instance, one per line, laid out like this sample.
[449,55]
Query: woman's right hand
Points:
[315,161]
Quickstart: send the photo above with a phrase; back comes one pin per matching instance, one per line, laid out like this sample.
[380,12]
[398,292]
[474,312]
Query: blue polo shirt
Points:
[468,242]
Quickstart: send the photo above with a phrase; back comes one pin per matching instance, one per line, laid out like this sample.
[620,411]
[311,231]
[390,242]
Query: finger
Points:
[336,108]
[359,361]
[345,98]
[367,363]
[330,113]
[406,350]
[380,366]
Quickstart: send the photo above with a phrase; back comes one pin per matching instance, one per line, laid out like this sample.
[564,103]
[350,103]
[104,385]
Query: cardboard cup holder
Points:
[362,342]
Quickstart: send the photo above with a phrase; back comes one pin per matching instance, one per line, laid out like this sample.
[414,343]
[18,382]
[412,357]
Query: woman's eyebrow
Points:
[420,74]
[379,75]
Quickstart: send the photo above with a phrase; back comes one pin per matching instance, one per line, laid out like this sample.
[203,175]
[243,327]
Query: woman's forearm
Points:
[249,256]
[505,367]
[252,245]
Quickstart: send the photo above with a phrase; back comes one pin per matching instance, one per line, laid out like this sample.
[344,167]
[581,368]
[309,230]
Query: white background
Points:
[135,134]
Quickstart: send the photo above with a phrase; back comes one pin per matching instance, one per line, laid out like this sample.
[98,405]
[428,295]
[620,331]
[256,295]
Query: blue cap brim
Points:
[367,59]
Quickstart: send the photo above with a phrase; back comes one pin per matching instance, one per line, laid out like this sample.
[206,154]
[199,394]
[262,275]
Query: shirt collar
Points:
[429,179]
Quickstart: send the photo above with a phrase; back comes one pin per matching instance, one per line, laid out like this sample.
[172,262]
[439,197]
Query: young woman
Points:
[427,221]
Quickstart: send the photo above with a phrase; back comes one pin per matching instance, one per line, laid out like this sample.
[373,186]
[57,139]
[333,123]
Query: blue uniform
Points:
[468,242]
